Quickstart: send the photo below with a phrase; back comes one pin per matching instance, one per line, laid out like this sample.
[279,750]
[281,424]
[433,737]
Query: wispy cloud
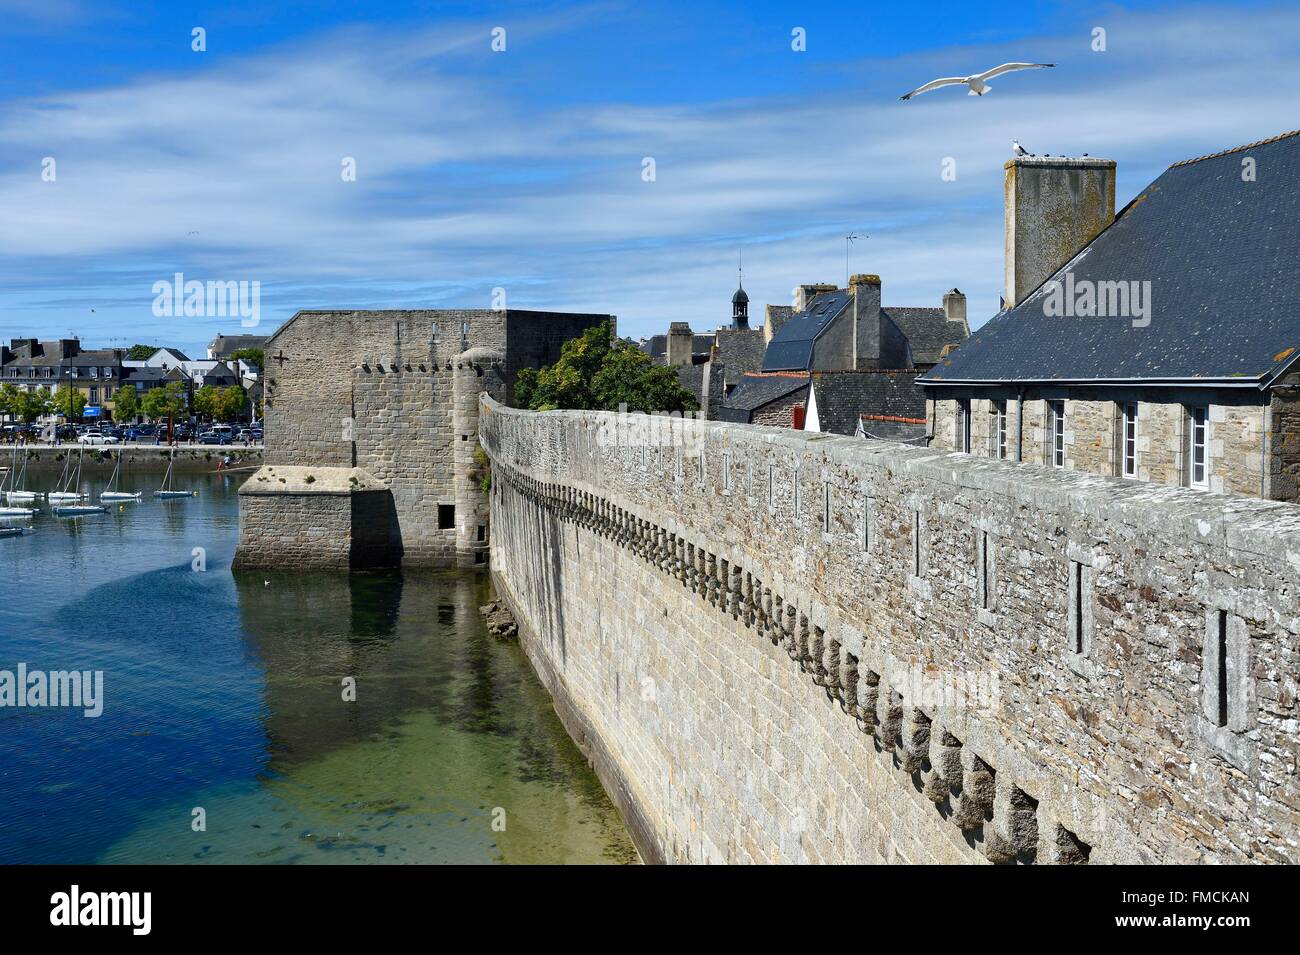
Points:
[464,184]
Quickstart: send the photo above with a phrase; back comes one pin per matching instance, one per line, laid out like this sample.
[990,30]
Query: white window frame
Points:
[1128,435]
[1056,432]
[1198,436]
[998,431]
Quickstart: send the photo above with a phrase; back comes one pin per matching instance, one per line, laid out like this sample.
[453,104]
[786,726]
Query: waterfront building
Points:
[1157,345]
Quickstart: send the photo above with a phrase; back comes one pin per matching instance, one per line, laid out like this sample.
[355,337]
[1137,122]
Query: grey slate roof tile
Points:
[1221,255]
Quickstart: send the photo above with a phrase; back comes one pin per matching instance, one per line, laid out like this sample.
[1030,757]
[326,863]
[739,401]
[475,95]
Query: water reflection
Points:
[226,692]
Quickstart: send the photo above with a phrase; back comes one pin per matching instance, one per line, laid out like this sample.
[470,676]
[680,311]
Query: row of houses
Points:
[99,373]
[837,360]
[1159,343]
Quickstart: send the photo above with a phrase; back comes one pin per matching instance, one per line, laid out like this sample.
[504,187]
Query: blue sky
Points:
[523,169]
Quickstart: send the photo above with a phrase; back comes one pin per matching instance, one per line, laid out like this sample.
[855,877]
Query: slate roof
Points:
[656,346]
[842,396]
[740,350]
[1221,255]
[791,347]
[754,391]
[927,330]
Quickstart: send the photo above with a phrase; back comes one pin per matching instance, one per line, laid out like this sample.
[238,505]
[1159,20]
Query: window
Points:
[998,429]
[1056,432]
[446,517]
[1198,463]
[963,424]
[1128,439]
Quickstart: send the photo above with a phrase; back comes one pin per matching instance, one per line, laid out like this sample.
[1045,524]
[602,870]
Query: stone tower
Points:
[1055,205]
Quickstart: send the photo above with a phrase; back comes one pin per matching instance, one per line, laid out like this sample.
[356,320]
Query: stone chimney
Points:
[681,342]
[867,344]
[1055,205]
[807,293]
[954,307]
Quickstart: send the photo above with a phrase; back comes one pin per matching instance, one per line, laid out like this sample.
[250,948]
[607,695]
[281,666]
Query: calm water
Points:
[224,692]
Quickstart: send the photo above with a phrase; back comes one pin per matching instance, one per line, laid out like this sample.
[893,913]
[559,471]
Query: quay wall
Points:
[100,459]
[785,647]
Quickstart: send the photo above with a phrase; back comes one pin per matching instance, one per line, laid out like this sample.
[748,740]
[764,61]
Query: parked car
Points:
[213,437]
[95,437]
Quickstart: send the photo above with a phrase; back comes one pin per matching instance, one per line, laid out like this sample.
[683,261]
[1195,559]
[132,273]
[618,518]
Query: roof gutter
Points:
[1256,383]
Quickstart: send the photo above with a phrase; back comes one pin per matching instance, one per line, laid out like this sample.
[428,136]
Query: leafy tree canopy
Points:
[253,356]
[69,402]
[220,404]
[126,403]
[164,402]
[594,373]
[141,352]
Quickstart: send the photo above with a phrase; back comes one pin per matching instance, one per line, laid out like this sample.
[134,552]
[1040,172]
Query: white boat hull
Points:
[63,496]
[173,493]
[17,511]
[77,510]
[21,495]
[119,496]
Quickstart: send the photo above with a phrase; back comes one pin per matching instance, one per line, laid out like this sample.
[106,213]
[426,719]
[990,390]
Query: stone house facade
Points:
[1161,350]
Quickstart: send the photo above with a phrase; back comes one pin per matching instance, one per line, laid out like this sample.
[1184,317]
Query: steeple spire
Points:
[740,301]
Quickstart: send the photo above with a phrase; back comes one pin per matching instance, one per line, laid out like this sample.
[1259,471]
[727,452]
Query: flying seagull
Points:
[978,82]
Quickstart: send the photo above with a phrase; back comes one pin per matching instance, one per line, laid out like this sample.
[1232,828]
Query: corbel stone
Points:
[945,775]
[1015,825]
[977,792]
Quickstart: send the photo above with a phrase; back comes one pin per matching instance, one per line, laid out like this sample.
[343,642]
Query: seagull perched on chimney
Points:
[978,82]
[1018,149]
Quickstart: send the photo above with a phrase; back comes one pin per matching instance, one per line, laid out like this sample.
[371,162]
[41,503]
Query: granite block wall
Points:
[789,647]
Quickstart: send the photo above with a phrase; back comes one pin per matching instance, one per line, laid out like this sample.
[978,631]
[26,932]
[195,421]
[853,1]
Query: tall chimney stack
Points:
[1055,205]
[868,349]
[681,343]
[954,307]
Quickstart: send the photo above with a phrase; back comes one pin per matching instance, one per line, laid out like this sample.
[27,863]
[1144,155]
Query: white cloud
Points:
[461,188]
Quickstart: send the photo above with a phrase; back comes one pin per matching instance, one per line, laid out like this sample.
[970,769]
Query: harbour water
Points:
[224,700]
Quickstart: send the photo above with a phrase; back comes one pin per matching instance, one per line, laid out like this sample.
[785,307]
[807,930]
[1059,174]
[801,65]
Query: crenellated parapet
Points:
[1063,669]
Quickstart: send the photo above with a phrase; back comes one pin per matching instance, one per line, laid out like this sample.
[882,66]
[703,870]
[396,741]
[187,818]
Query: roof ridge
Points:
[1237,149]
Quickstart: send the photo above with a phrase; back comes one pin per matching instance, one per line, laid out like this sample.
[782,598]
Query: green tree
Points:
[69,402]
[141,352]
[165,402]
[232,403]
[253,356]
[9,399]
[594,373]
[35,405]
[126,403]
[205,401]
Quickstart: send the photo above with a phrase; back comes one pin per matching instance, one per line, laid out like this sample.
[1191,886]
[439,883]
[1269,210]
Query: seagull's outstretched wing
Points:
[934,85]
[1012,67]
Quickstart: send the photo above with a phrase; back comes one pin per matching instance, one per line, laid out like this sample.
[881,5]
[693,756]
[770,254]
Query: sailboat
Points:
[76,509]
[168,490]
[11,477]
[17,494]
[64,491]
[109,494]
